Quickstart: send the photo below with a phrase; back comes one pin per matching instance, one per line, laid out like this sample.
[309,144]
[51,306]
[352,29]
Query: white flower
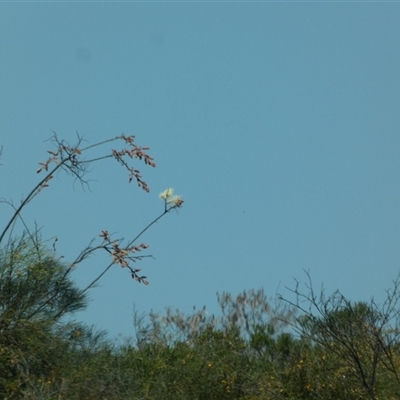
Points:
[166,194]
[175,201]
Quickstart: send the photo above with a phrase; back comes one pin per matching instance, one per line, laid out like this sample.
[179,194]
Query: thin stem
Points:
[29,197]
[96,279]
[147,227]
[100,143]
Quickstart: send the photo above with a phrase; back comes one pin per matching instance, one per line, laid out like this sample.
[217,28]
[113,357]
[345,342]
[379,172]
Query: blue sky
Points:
[278,123]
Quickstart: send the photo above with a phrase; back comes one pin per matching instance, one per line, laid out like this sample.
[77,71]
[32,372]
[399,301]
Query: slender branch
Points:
[101,143]
[30,196]
[147,227]
[96,279]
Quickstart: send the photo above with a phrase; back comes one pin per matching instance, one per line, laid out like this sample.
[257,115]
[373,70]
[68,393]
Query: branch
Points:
[34,191]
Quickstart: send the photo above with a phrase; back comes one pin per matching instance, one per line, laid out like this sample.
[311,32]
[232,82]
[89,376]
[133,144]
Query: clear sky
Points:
[278,123]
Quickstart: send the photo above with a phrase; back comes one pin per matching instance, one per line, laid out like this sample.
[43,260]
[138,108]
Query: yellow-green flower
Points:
[166,194]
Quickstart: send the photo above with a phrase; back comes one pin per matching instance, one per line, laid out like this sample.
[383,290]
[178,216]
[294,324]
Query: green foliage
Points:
[361,339]
[35,293]
[34,285]
[348,350]
[200,356]
[206,369]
